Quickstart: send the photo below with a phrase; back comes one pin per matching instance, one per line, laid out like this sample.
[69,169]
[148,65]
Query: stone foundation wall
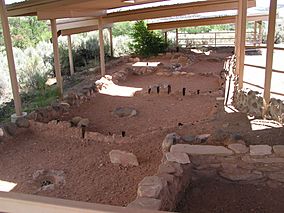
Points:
[276,110]
[254,164]
[252,102]
[248,101]
[76,97]
[165,189]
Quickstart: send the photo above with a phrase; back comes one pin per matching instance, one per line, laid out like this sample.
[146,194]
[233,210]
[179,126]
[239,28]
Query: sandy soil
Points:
[171,109]
[88,172]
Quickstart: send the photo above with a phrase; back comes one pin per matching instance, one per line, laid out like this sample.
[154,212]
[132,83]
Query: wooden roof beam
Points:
[81,30]
[174,10]
[31,7]
[201,22]
[59,14]
[76,23]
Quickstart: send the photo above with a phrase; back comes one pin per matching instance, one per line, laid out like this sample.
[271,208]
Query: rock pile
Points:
[49,113]
[252,102]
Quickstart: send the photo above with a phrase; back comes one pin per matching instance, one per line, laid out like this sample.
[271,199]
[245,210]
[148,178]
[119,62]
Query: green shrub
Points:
[145,42]
[34,65]
[86,52]
[27,32]
[122,29]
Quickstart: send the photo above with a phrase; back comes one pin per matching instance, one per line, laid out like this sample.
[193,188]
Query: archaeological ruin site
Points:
[195,128]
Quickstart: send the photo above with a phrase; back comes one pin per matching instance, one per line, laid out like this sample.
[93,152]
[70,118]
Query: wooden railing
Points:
[22,203]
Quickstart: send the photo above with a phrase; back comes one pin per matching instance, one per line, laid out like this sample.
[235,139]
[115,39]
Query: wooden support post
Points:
[70,55]
[270,48]
[236,37]
[177,40]
[111,42]
[166,37]
[242,15]
[255,33]
[10,57]
[102,51]
[260,33]
[56,57]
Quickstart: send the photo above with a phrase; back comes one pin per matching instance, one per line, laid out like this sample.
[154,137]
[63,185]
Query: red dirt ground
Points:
[215,196]
[89,174]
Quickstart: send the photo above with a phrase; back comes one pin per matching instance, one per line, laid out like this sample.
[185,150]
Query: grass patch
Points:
[30,102]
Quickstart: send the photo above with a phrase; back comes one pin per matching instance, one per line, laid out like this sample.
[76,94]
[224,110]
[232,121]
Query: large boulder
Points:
[151,187]
[276,110]
[123,158]
[83,122]
[75,120]
[170,140]
[124,112]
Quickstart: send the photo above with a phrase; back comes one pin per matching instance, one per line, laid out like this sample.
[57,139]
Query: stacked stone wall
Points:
[255,164]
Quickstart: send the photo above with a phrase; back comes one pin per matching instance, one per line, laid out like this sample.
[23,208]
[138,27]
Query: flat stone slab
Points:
[265,160]
[201,149]
[150,187]
[123,158]
[278,176]
[179,157]
[124,112]
[171,168]
[146,203]
[238,148]
[279,150]
[260,150]
[240,175]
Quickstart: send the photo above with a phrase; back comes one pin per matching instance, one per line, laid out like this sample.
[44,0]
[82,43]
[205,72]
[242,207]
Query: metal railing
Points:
[214,39]
[263,67]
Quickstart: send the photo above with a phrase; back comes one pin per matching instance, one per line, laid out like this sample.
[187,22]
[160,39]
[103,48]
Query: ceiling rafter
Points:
[32,7]
[202,22]
[174,10]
